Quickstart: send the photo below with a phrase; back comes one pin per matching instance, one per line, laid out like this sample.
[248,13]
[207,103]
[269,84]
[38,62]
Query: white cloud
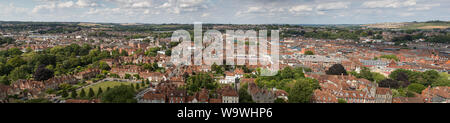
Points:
[333,5]
[67,4]
[424,7]
[389,3]
[86,3]
[54,4]
[300,8]
[206,14]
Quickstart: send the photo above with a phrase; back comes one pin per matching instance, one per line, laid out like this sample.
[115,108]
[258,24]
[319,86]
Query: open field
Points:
[411,25]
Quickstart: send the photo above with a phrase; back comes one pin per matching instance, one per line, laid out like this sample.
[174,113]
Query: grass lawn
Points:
[104,85]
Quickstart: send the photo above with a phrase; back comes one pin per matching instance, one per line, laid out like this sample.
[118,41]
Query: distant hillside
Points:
[412,25]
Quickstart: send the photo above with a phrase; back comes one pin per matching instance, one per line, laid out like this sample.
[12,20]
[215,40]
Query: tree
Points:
[392,57]
[119,94]
[91,93]
[108,88]
[104,66]
[341,101]
[64,93]
[430,77]
[309,52]
[336,69]
[199,81]
[16,61]
[4,80]
[244,97]
[216,68]
[415,87]
[99,92]
[44,59]
[42,73]
[168,52]
[403,78]
[279,100]
[124,53]
[302,90]
[82,93]
[14,52]
[127,76]
[136,76]
[19,73]
[137,86]
[74,94]
[389,83]
[5,69]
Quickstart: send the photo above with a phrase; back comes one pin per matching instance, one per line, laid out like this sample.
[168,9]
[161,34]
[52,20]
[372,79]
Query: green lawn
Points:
[104,85]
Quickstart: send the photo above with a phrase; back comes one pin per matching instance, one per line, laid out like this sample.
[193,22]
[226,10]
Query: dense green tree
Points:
[127,76]
[73,94]
[168,52]
[16,61]
[14,52]
[5,69]
[7,40]
[82,93]
[4,80]
[19,73]
[367,74]
[279,100]
[415,87]
[244,97]
[99,92]
[309,53]
[64,94]
[302,90]
[202,80]
[44,59]
[216,68]
[91,93]
[430,77]
[341,101]
[137,86]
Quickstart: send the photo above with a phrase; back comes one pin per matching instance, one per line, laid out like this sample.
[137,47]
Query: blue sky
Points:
[226,11]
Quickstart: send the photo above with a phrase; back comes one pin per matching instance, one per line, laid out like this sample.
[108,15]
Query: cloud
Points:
[422,7]
[300,8]
[67,4]
[264,10]
[206,14]
[86,3]
[389,3]
[56,4]
[333,6]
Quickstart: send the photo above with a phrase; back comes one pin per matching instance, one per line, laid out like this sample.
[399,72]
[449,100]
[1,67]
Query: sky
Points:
[226,11]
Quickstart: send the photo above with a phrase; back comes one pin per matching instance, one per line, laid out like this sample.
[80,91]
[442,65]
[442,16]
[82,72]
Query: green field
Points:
[104,85]
[427,25]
